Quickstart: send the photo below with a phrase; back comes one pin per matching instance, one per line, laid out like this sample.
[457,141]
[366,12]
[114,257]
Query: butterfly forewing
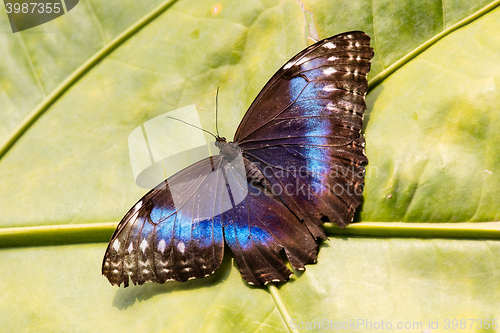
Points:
[344,59]
[173,232]
[309,134]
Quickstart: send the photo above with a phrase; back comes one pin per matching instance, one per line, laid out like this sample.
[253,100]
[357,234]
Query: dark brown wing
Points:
[303,130]
[258,228]
[173,232]
[177,230]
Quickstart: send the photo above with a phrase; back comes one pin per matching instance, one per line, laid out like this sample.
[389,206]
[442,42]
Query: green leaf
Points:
[432,133]
[72,90]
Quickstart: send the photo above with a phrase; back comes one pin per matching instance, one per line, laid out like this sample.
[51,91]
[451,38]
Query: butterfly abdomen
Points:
[256,177]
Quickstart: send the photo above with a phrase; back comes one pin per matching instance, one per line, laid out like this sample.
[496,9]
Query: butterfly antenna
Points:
[182,121]
[216,112]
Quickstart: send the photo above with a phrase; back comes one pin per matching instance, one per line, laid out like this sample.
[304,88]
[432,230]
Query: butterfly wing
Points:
[301,141]
[172,233]
[258,228]
[303,130]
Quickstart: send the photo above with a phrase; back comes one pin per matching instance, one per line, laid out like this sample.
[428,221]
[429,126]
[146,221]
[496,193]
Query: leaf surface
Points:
[432,126]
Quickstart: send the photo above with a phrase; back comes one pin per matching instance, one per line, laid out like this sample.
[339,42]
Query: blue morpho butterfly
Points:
[296,161]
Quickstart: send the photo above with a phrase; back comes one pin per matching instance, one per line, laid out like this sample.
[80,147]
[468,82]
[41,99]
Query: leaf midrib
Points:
[101,232]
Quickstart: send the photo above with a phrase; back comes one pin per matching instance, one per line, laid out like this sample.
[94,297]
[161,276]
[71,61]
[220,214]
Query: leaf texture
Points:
[431,132]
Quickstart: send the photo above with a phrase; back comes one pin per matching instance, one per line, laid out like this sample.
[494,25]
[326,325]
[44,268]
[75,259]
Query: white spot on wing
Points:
[116,245]
[329,88]
[329,71]
[162,245]
[287,66]
[144,245]
[332,58]
[130,248]
[329,45]
[181,247]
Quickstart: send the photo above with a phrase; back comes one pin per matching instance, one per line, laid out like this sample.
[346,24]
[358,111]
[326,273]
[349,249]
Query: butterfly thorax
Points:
[228,150]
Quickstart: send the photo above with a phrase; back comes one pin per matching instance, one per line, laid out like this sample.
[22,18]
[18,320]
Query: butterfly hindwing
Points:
[258,229]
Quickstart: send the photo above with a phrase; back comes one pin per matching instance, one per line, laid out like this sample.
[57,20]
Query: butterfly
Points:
[296,161]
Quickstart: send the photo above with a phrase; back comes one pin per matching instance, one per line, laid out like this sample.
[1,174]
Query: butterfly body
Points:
[227,150]
[296,161]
